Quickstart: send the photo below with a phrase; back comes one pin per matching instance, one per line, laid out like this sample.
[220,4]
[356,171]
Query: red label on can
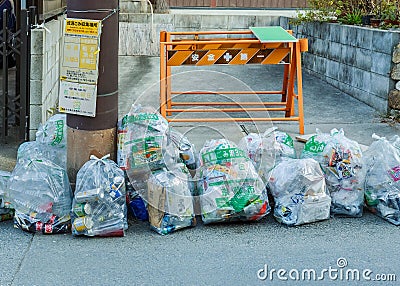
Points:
[39,226]
[48,228]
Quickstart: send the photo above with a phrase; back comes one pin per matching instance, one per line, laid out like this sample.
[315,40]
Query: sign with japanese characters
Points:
[79,67]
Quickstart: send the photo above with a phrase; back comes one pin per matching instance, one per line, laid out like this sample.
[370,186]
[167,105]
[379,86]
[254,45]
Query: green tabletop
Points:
[272,34]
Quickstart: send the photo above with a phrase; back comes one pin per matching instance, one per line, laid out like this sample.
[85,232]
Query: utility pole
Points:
[96,135]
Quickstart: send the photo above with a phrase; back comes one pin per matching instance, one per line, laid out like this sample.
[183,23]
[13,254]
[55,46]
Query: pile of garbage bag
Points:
[230,188]
[382,178]
[299,190]
[99,204]
[341,161]
[6,213]
[148,146]
[267,150]
[41,195]
[170,201]
[51,142]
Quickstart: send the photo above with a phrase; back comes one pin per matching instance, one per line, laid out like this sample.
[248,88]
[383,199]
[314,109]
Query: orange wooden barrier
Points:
[231,48]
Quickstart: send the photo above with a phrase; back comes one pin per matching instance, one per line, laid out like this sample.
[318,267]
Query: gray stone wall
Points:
[45,73]
[138,36]
[356,60]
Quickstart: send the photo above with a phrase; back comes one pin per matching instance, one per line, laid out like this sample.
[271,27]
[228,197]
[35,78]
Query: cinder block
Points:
[332,69]
[123,35]
[380,85]
[364,38]
[381,63]
[334,51]
[264,21]
[348,35]
[363,59]
[36,67]
[186,21]
[214,22]
[335,32]
[361,79]
[36,91]
[139,18]
[35,117]
[345,73]
[37,41]
[32,134]
[241,22]
[162,18]
[348,55]
[384,41]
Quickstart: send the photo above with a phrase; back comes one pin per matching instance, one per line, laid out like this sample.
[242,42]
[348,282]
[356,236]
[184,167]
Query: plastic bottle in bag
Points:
[99,205]
[340,159]
[39,191]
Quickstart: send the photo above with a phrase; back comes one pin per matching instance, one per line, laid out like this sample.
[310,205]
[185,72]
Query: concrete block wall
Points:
[45,73]
[356,60]
[138,36]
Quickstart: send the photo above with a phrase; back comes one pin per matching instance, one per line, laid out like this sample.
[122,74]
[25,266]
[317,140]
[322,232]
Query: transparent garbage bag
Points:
[266,150]
[99,204]
[299,190]
[6,213]
[147,145]
[382,178]
[40,192]
[170,202]
[230,188]
[341,160]
[35,150]
[51,142]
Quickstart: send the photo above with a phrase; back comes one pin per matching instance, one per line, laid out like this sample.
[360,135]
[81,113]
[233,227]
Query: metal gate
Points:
[14,97]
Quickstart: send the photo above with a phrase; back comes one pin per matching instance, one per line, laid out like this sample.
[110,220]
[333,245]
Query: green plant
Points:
[352,18]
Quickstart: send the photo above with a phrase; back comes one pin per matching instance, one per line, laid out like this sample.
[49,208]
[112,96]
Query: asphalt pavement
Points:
[221,254]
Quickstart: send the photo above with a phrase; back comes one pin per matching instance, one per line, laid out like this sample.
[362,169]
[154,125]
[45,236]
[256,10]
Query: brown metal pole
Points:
[87,135]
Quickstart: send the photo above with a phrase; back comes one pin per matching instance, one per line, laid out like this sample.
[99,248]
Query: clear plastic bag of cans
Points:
[341,160]
[99,204]
[299,190]
[40,192]
[6,213]
[170,202]
[266,150]
[382,178]
[147,145]
[230,188]
[50,142]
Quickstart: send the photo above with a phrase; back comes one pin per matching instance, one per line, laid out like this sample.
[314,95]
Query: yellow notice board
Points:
[79,66]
